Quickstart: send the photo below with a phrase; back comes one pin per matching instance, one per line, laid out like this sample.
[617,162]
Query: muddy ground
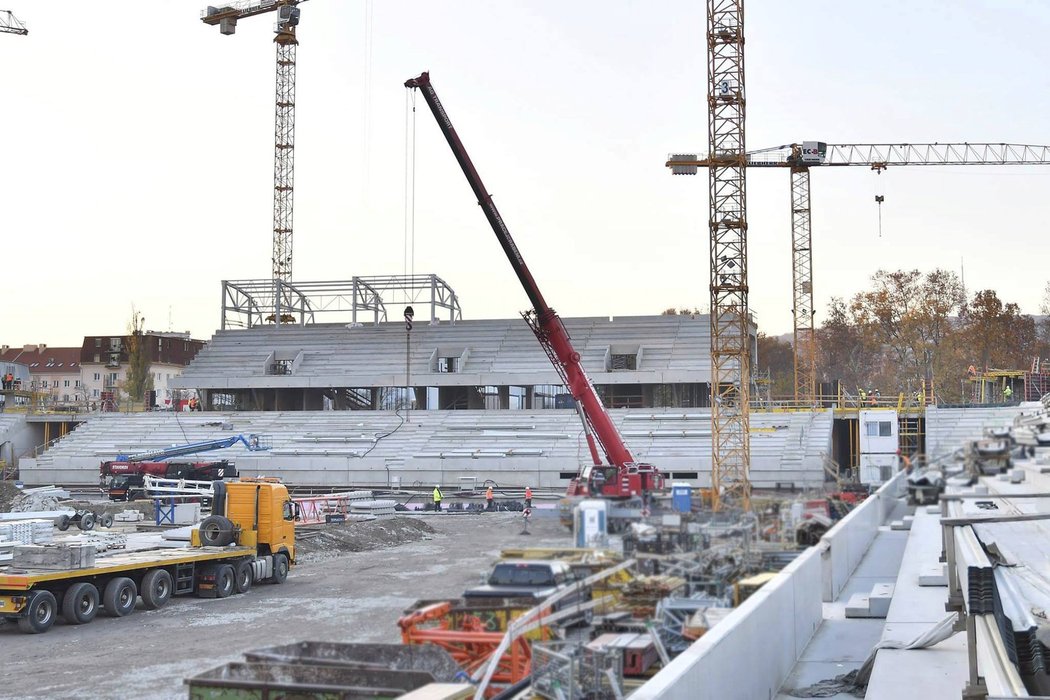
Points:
[333,595]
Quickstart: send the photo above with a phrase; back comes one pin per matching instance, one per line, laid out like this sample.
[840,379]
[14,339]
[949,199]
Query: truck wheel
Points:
[40,613]
[224,581]
[280,568]
[243,577]
[86,522]
[216,531]
[119,597]
[80,604]
[107,520]
[156,589]
[62,522]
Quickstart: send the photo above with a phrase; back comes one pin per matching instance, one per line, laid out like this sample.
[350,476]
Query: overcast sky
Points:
[138,152]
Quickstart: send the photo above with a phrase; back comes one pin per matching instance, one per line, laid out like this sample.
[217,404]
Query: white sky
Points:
[138,152]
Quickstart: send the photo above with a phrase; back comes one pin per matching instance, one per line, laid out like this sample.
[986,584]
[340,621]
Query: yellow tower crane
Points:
[799,158]
[226,17]
[726,161]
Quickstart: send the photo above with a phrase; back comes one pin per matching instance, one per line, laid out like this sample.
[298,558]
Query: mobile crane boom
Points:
[252,442]
[632,479]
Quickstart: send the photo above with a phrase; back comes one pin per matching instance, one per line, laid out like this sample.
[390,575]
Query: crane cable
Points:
[410,187]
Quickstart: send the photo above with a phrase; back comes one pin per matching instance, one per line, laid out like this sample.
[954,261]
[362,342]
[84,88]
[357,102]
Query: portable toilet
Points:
[682,496]
[590,523]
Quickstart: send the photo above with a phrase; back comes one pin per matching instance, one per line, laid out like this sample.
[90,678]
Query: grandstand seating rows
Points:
[668,348]
[948,428]
[537,447]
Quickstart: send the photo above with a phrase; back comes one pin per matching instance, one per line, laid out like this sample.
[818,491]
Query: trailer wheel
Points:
[119,597]
[62,522]
[156,589]
[80,604]
[216,531]
[40,613]
[243,577]
[107,520]
[86,522]
[280,568]
[224,581]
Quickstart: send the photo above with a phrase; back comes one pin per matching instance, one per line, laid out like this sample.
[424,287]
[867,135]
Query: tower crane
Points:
[727,221]
[799,158]
[226,17]
[9,24]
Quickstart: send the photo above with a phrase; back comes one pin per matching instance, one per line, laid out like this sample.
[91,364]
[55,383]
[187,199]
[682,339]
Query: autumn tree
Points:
[139,379]
[910,315]
[776,356]
[845,352]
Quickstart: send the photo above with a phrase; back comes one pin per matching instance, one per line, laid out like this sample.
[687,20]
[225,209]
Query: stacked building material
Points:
[54,557]
[376,508]
[7,548]
[31,531]
[641,594]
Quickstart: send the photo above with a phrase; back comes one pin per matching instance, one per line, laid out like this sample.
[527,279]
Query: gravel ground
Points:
[331,596]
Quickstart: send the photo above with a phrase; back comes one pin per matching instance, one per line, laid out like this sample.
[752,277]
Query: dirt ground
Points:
[333,595]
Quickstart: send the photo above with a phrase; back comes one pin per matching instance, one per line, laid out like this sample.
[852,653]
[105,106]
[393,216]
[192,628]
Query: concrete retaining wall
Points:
[845,545]
[751,653]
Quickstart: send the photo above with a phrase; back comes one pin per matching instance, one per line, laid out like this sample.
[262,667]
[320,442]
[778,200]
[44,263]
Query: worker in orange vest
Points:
[488,499]
[528,497]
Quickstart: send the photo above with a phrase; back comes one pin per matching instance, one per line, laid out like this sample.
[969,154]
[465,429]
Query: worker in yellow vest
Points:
[437,498]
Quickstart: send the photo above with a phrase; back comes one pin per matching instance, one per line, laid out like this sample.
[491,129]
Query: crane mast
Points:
[550,331]
[286,42]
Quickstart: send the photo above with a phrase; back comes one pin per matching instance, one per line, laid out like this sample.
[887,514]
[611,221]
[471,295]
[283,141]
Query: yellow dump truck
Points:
[249,538]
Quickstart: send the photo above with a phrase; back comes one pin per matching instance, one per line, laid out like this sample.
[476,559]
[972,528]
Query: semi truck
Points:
[248,539]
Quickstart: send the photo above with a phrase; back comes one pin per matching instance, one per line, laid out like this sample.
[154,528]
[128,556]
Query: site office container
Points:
[250,539]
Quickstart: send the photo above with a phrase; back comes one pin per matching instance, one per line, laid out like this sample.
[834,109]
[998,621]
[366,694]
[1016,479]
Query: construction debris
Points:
[319,543]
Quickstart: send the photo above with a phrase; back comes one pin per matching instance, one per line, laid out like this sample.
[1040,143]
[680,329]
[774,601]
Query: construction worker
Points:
[437,498]
[489,505]
[1008,393]
[863,396]
[528,497]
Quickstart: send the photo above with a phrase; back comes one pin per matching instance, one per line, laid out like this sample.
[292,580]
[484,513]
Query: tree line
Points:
[912,331]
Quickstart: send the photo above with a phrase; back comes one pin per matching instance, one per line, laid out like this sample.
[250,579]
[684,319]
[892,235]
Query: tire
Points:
[107,520]
[156,589]
[280,568]
[40,613]
[80,604]
[118,599]
[62,522]
[224,581]
[216,531]
[243,577]
[86,522]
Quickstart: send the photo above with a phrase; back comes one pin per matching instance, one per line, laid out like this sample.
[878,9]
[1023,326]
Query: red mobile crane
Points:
[619,476]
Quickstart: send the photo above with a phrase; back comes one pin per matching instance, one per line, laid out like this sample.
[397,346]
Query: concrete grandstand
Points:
[528,447]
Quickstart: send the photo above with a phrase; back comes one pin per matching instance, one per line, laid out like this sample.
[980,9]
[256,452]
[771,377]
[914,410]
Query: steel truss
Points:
[730,346]
[284,155]
[805,341]
[252,303]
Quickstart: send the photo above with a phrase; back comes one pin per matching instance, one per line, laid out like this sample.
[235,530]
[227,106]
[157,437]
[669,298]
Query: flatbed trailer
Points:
[255,544]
